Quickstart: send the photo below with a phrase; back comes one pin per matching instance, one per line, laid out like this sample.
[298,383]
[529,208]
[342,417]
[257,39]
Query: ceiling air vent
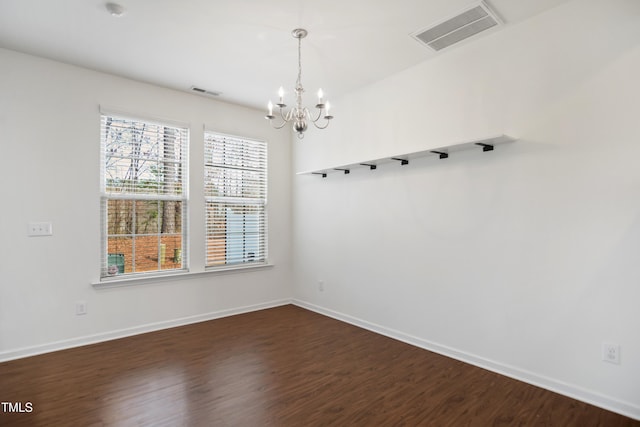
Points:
[205,91]
[462,26]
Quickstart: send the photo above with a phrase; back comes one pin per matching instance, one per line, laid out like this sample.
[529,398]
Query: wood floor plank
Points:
[284,366]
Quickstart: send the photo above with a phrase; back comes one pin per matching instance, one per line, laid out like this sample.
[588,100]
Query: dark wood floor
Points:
[284,367]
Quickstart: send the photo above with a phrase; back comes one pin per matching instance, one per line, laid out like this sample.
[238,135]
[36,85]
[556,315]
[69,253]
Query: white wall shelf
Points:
[484,144]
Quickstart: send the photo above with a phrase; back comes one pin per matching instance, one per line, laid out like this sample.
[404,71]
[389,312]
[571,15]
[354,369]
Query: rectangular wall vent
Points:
[205,91]
[460,27]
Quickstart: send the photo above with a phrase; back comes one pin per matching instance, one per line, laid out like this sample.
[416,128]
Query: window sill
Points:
[117,282]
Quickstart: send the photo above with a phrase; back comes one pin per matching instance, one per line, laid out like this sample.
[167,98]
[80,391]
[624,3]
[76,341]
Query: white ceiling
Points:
[242,48]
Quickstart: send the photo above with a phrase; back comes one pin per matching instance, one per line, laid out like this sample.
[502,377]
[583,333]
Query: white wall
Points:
[523,260]
[49,171]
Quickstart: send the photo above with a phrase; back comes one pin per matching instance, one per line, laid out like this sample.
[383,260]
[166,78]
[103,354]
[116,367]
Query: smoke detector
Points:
[115,9]
[474,20]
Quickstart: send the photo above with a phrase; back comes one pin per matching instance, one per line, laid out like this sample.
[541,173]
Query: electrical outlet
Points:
[611,352]
[320,285]
[40,229]
[81,308]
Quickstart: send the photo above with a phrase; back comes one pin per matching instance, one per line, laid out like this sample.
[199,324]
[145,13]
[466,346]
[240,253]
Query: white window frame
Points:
[158,191]
[235,182]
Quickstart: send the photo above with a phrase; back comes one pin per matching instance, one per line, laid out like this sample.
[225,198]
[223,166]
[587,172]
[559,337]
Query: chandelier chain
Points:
[299,82]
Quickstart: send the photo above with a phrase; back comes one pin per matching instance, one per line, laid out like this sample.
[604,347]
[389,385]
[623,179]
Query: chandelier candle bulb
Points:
[320,94]
[326,111]
[270,105]
[281,95]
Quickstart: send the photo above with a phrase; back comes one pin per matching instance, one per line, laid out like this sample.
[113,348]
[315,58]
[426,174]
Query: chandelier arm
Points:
[285,117]
[322,127]
[280,126]
[319,115]
[307,114]
[288,115]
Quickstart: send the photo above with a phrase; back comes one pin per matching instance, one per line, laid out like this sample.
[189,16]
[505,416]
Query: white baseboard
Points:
[122,333]
[621,407]
[605,402]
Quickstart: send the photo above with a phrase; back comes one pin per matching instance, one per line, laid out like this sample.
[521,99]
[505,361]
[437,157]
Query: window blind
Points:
[144,196]
[235,198]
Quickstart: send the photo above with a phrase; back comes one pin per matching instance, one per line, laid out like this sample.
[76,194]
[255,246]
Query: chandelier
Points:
[300,114]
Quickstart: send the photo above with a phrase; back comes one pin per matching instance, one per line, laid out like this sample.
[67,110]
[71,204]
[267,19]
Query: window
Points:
[144,196]
[236,198]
